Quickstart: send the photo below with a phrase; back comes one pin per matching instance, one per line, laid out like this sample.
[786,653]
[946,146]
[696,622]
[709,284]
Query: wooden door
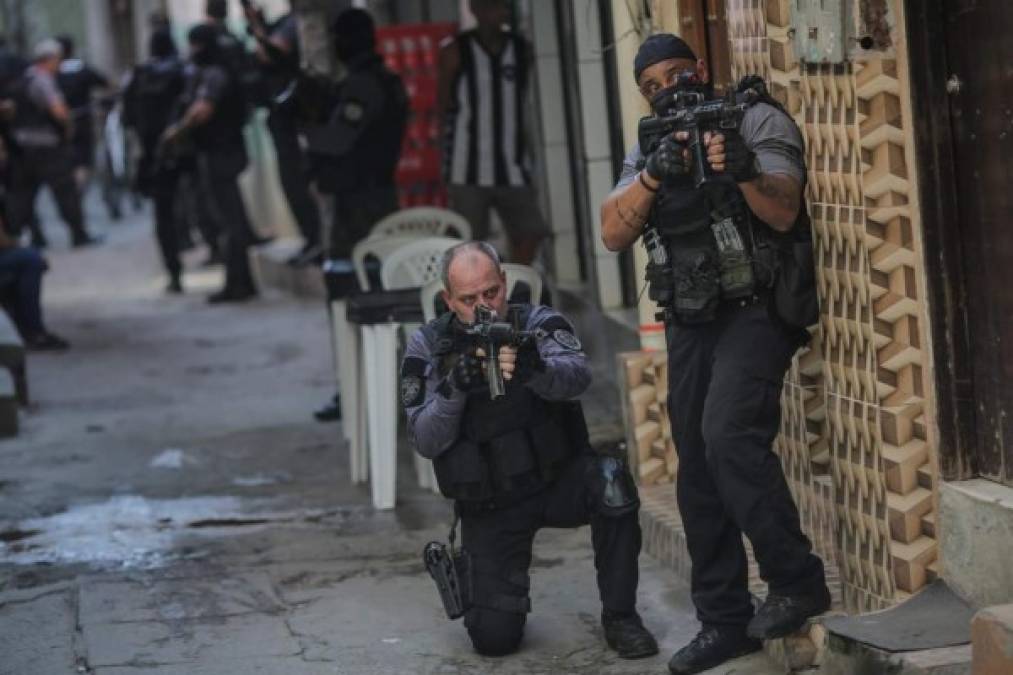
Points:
[979,52]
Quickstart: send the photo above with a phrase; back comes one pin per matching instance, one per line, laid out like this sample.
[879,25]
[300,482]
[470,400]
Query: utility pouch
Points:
[451,569]
[553,448]
[462,473]
[697,275]
[735,262]
[795,295]
[514,465]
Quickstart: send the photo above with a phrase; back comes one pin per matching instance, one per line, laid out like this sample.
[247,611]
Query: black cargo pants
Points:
[724,389]
[218,172]
[725,381]
[500,543]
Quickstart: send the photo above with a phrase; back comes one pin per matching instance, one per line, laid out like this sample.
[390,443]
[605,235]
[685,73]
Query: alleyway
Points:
[170,506]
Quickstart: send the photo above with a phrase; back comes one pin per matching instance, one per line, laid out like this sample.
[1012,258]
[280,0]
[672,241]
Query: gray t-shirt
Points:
[768,132]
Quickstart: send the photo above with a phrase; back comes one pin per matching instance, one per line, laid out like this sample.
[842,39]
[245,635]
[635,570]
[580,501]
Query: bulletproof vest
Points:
[372,161]
[225,127]
[32,126]
[508,448]
[717,248]
[152,96]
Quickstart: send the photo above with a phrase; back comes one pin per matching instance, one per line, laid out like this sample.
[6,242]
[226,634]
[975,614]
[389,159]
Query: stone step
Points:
[8,405]
[270,270]
[665,540]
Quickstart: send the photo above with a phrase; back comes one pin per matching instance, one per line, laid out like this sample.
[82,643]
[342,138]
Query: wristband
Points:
[640,177]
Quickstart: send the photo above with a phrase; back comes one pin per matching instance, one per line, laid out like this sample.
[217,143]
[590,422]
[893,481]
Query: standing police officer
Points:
[148,99]
[729,348]
[354,155]
[40,132]
[520,462]
[214,118]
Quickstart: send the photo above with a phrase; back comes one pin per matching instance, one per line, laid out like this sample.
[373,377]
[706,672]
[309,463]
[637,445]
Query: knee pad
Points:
[494,633]
[615,493]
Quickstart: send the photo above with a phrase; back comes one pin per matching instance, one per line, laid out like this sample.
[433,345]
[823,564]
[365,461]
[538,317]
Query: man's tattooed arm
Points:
[775,198]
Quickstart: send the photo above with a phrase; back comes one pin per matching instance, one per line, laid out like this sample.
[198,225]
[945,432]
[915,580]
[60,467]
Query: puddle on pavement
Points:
[126,531]
[133,532]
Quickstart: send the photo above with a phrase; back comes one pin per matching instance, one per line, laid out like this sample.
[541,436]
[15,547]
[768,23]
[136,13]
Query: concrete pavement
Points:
[170,506]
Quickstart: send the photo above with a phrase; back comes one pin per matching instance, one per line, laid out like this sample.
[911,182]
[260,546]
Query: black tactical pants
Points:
[500,543]
[725,382]
[292,171]
[219,177]
[35,167]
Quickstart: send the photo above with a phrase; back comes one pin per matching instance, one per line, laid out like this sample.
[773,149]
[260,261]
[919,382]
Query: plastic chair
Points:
[379,248]
[416,263]
[413,264]
[423,221]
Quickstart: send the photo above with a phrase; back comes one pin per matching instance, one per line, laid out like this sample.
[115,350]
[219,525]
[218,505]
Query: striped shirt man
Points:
[481,92]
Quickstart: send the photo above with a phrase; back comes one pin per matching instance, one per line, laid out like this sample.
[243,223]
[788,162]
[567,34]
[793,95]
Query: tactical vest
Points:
[32,126]
[509,448]
[151,97]
[695,227]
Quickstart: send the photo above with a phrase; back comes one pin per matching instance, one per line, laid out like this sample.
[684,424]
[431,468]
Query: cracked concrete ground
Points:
[170,507]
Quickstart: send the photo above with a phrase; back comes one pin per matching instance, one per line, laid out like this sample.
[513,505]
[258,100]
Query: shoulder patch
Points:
[412,390]
[566,339]
[353,112]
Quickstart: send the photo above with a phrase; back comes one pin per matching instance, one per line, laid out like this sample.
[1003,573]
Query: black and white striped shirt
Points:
[485,128]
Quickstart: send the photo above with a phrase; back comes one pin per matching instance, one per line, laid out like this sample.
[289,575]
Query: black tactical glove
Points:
[740,161]
[668,160]
[529,362]
[469,375]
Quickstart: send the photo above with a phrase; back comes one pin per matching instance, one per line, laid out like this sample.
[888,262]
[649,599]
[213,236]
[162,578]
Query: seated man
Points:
[519,462]
[21,271]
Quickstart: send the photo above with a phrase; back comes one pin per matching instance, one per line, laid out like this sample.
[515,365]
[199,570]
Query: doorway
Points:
[961,81]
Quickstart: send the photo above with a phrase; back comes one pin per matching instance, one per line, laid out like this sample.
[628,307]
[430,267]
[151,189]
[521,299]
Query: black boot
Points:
[626,634]
[781,615]
[330,412]
[711,647]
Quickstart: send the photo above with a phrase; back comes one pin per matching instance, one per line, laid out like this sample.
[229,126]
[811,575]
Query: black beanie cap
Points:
[660,47]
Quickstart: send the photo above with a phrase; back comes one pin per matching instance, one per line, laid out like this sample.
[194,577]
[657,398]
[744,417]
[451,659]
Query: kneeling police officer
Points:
[722,216]
[521,461]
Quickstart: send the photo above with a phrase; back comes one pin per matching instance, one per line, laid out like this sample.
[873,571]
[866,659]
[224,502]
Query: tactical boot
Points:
[782,615]
[711,647]
[626,634]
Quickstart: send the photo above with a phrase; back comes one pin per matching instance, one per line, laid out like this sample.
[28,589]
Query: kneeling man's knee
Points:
[494,633]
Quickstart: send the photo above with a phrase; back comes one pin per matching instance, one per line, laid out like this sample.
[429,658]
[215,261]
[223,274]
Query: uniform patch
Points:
[353,112]
[566,339]
[411,390]
[509,73]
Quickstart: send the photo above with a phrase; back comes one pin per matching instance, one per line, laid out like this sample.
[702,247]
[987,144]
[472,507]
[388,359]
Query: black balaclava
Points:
[354,34]
[205,38]
[161,45]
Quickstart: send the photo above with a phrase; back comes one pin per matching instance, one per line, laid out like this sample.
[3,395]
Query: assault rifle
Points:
[688,111]
[491,334]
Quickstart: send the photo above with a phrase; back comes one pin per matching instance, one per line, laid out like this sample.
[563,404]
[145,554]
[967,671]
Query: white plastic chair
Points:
[416,263]
[378,247]
[413,264]
[423,221]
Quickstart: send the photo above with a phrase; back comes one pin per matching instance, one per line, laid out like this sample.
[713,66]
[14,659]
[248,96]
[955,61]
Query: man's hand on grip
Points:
[727,152]
[669,160]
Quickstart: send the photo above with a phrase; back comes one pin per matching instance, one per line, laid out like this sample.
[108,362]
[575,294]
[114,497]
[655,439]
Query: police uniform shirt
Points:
[361,100]
[434,406]
[767,131]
